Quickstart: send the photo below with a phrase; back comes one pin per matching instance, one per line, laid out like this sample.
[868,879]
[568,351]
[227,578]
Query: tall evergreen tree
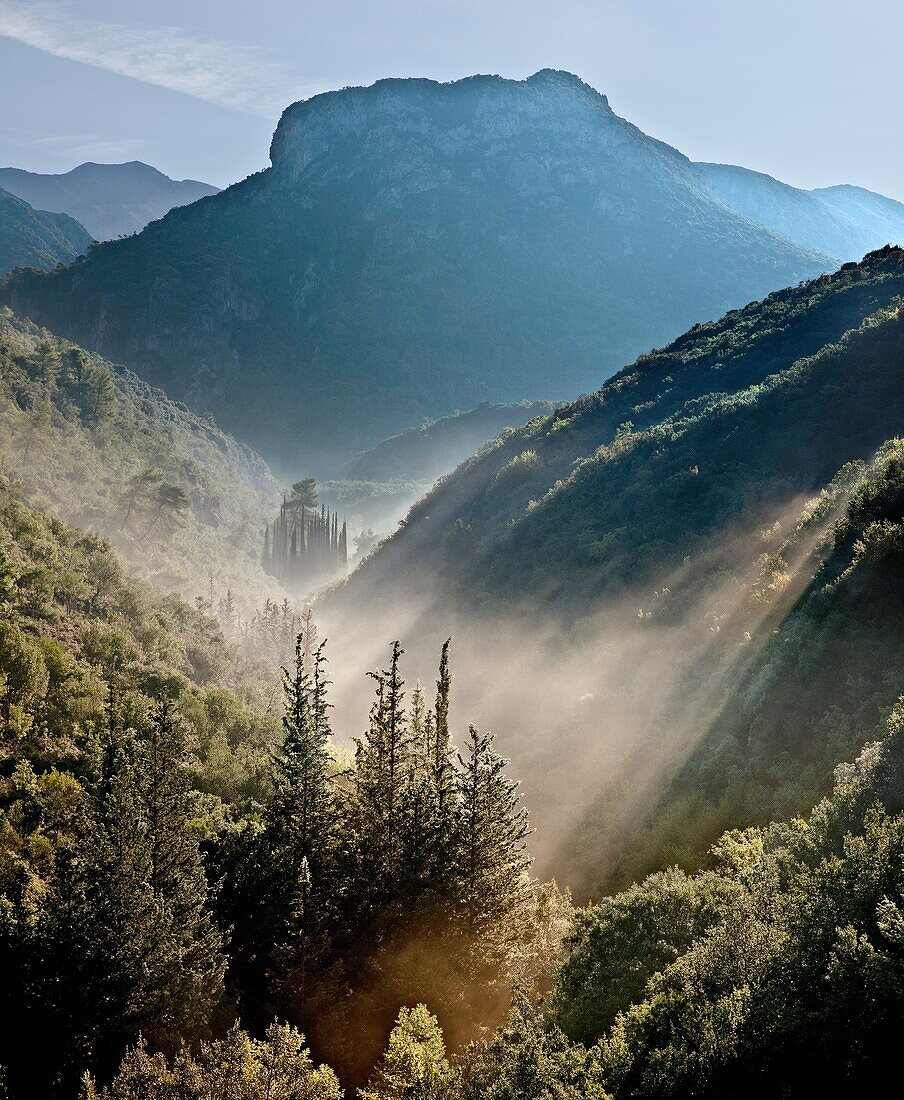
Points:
[493,859]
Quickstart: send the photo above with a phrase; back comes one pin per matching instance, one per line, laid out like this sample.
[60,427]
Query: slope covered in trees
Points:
[183,502]
[624,563]
[404,256]
[736,417]
[37,238]
[109,200]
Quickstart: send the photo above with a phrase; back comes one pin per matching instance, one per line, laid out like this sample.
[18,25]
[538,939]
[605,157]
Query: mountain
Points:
[414,248]
[37,238]
[181,500]
[844,221]
[881,216]
[110,200]
[437,447]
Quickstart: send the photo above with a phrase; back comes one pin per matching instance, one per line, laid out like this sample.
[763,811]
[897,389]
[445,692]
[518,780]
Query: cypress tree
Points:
[493,859]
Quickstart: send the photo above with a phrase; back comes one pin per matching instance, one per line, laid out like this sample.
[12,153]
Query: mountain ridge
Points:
[408,239]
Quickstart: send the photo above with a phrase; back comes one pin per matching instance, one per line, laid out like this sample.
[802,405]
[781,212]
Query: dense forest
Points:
[174,855]
[163,903]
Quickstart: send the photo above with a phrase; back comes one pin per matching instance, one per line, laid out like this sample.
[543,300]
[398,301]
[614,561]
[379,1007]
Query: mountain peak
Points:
[564,79]
[394,112]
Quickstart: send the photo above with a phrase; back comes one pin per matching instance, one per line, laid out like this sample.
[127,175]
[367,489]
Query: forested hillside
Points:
[831,667]
[622,566]
[736,417]
[183,502]
[37,238]
[179,846]
[415,248]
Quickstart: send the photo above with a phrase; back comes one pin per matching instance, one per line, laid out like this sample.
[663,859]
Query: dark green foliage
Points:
[493,828]
[122,942]
[37,238]
[238,1067]
[338,898]
[619,944]
[528,1059]
[528,241]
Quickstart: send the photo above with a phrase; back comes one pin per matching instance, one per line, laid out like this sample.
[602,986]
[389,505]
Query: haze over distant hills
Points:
[417,247]
[844,221]
[427,452]
[37,238]
[110,200]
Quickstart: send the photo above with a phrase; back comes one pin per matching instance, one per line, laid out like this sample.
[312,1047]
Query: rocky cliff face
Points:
[417,247]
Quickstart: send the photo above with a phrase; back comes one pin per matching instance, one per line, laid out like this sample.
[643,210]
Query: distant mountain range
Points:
[110,200]
[37,238]
[417,247]
[435,448]
[845,222]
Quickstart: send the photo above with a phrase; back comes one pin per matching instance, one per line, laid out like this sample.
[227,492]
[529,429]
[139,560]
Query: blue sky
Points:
[807,90]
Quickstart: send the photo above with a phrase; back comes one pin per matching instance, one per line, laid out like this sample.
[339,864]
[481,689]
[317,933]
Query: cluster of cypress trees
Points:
[413,843]
[305,546]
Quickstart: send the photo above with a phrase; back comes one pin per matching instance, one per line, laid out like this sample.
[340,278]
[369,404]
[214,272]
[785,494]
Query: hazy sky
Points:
[810,91]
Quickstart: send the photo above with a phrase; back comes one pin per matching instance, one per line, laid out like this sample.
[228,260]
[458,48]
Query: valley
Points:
[450,616]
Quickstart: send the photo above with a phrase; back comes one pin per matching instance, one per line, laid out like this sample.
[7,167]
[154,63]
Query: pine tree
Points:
[440,742]
[302,814]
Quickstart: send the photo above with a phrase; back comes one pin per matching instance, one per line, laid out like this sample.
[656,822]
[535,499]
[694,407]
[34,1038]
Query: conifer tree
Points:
[176,872]
[130,945]
[302,813]
[493,860]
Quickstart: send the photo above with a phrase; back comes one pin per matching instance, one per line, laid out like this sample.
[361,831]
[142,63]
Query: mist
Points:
[596,717]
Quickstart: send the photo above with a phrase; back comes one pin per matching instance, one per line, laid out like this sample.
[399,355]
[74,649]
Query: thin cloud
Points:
[241,78]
